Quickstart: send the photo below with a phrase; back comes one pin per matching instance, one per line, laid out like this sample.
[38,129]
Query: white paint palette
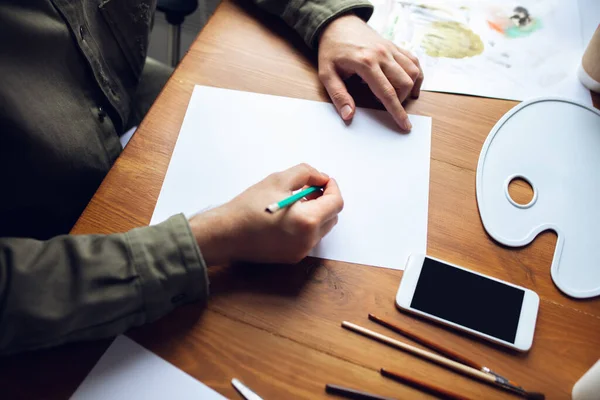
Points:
[554,144]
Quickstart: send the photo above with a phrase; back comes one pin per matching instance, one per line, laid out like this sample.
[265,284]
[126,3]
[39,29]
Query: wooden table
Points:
[277,328]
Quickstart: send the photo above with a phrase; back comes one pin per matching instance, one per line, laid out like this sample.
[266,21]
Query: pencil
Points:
[273,208]
[352,393]
[423,386]
[436,347]
[443,361]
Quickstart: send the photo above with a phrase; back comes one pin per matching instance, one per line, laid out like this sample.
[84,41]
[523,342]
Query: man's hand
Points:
[348,46]
[242,230]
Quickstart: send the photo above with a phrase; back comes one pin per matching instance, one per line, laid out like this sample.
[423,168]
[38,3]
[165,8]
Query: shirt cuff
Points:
[315,16]
[170,266]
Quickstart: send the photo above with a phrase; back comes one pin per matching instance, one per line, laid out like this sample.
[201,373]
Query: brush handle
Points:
[423,386]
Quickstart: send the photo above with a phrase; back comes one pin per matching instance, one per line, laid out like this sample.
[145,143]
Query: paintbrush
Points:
[443,361]
[442,350]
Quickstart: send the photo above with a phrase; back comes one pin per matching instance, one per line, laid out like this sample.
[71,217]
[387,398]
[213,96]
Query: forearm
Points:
[309,17]
[85,287]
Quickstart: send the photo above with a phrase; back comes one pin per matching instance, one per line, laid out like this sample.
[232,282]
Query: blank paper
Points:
[230,140]
[127,371]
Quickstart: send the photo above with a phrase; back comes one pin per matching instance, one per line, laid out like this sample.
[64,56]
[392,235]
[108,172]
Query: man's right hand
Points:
[241,230]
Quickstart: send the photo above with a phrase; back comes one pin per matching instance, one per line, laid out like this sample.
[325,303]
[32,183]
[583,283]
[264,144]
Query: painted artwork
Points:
[492,48]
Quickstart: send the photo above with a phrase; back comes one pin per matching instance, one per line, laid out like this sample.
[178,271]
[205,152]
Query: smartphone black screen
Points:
[469,300]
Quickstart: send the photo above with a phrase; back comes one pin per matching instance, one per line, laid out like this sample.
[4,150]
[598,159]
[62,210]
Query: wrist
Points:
[340,19]
[213,233]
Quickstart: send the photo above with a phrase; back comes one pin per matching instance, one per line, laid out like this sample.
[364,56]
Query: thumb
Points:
[343,102]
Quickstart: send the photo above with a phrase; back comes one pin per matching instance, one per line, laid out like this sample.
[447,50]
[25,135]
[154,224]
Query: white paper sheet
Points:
[230,140]
[126,137]
[589,11]
[518,63]
[127,371]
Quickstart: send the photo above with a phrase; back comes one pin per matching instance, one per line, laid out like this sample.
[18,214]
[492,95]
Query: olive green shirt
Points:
[70,75]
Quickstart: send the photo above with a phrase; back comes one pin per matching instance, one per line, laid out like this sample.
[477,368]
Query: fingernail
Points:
[346,111]
[325,175]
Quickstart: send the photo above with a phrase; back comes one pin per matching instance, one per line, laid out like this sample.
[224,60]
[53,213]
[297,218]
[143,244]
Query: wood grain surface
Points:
[277,328]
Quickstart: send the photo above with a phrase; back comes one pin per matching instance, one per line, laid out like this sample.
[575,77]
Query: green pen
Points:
[292,199]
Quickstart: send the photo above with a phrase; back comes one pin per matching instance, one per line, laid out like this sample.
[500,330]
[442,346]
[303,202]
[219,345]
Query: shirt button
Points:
[101,114]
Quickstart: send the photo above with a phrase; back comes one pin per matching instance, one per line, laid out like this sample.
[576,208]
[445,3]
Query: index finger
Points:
[385,91]
[328,205]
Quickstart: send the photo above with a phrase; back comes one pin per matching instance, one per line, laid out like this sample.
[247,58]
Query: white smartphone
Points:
[483,306]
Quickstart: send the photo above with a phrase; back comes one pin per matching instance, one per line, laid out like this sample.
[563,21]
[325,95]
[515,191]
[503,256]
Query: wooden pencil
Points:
[423,386]
[441,360]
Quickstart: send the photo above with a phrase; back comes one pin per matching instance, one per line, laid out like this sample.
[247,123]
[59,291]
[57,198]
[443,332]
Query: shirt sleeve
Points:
[84,287]
[309,17]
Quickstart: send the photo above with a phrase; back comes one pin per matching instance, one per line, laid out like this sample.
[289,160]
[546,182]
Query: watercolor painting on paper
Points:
[492,48]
